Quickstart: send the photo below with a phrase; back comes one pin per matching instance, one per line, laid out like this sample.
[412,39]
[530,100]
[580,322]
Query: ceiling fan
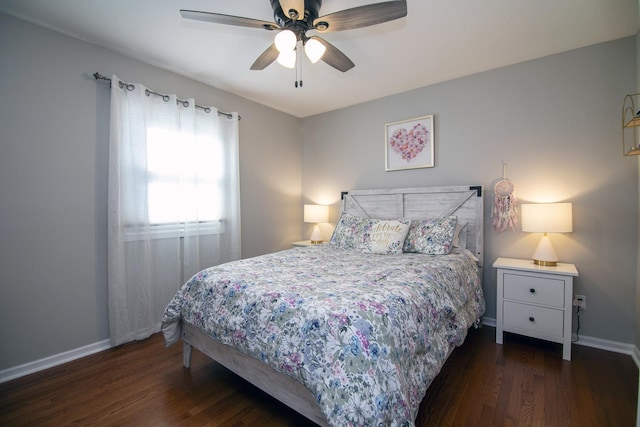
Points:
[293,18]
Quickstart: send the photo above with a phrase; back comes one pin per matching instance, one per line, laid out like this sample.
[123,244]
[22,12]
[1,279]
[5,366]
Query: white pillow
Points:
[460,236]
[387,237]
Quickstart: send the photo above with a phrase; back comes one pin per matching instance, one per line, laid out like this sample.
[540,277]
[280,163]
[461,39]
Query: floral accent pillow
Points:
[431,236]
[387,237]
[351,232]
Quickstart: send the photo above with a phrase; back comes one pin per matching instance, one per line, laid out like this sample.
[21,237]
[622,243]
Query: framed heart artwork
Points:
[409,144]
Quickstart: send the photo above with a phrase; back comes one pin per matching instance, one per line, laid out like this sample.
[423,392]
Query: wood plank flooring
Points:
[524,382]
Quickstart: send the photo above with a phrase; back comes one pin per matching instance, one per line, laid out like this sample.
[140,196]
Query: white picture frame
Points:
[409,144]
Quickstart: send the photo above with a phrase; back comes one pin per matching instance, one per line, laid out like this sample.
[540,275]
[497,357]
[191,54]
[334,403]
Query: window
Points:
[185,174]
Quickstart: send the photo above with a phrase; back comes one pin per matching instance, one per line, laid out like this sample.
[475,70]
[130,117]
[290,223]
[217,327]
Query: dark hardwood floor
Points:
[524,382]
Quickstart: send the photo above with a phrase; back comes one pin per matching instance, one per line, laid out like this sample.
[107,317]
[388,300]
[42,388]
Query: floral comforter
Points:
[366,334]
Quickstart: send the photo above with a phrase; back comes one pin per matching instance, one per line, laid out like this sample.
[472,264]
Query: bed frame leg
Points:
[186,354]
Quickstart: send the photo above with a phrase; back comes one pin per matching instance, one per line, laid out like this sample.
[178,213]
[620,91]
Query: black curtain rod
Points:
[130,86]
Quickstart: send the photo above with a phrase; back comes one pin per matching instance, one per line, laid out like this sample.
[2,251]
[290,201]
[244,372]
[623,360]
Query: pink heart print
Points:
[409,143]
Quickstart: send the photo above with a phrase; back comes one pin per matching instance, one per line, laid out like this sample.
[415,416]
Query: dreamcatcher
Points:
[505,211]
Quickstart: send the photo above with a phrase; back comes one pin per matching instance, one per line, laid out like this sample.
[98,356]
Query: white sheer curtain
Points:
[174,205]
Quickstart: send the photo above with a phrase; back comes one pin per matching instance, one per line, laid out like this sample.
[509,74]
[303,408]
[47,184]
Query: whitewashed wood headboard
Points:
[464,201]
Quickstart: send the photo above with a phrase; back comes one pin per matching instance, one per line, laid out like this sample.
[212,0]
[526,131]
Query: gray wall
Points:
[637,342]
[555,121]
[53,184]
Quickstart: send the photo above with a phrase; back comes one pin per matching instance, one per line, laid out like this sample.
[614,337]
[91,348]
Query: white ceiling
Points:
[438,40]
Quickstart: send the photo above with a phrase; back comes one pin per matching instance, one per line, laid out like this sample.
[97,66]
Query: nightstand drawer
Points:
[533,289]
[541,320]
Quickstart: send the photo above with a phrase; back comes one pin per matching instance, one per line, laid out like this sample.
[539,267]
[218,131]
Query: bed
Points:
[351,332]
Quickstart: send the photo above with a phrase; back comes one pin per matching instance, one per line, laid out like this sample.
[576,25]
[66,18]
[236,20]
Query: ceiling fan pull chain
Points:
[300,63]
[297,66]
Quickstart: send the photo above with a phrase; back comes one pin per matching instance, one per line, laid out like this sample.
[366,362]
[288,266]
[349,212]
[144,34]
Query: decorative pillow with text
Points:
[387,236]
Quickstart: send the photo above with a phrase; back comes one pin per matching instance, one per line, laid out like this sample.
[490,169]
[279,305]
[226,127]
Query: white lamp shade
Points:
[547,218]
[285,41]
[314,50]
[316,213]
[287,58]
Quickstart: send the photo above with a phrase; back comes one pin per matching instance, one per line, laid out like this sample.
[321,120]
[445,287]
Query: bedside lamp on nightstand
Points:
[546,218]
[316,214]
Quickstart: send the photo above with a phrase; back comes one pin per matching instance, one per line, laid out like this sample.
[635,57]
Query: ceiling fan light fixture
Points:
[286,41]
[287,58]
[314,50]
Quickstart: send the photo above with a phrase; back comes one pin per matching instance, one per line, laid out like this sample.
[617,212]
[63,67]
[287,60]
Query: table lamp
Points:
[316,214]
[546,218]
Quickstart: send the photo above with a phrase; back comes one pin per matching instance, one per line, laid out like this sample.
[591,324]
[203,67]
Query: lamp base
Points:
[545,255]
[545,263]
[316,236]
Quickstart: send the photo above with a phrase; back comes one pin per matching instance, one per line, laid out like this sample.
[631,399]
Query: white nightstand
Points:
[307,243]
[535,301]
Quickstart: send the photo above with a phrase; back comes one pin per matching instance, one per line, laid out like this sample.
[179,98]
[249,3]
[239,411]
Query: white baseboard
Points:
[614,346]
[51,361]
[587,341]
[489,321]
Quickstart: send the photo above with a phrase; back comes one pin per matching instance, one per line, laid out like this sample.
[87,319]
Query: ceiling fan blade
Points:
[266,58]
[293,9]
[361,16]
[334,56]
[218,18]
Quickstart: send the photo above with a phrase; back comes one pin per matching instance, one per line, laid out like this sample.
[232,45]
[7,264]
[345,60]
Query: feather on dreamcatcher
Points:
[505,211]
